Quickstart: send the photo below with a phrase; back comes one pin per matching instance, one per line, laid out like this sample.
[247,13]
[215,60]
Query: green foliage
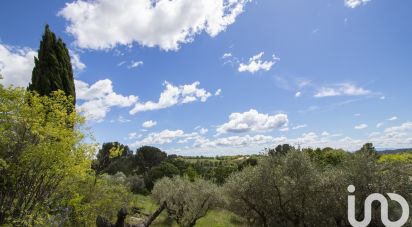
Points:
[223,172]
[40,147]
[148,157]
[327,156]
[52,70]
[111,158]
[368,149]
[84,198]
[291,190]
[399,157]
[215,217]
[165,169]
[137,184]
[186,201]
[281,149]
[191,173]
[180,163]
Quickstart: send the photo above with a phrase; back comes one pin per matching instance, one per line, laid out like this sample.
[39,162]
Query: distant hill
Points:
[395,151]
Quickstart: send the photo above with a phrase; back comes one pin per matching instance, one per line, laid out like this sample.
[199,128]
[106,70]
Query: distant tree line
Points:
[148,164]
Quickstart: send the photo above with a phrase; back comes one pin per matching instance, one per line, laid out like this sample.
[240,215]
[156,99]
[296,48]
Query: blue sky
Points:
[218,77]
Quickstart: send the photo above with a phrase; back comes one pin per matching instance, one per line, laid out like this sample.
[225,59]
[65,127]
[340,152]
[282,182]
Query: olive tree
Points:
[186,201]
[279,191]
[296,190]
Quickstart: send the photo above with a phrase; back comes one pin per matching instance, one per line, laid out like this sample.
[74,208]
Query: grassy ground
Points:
[214,218]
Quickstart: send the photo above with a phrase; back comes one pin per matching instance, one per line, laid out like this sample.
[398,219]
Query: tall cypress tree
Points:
[53,69]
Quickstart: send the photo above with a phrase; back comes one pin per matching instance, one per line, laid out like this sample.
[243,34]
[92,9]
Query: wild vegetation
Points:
[49,175]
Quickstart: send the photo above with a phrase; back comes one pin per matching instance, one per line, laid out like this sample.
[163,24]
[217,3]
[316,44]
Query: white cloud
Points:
[99,98]
[379,125]
[149,124]
[135,64]
[402,128]
[355,3]
[342,89]
[357,114]
[121,63]
[238,141]
[227,55]
[132,135]
[218,92]
[228,58]
[286,129]
[174,95]
[255,64]
[325,133]
[203,131]
[120,119]
[77,64]
[300,126]
[165,137]
[301,83]
[103,24]
[298,94]
[394,137]
[253,121]
[16,65]
[258,142]
[361,126]
[394,118]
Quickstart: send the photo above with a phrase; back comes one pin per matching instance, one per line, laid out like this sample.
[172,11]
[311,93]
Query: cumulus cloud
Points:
[258,142]
[253,121]
[173,95]
[286,129]
[343,89]
[77,64]
[203,131]
[99,98]
[16,65]
[149,124]
[256,64]
[298,94]
[218,92]
[355,3]
[394,137]
[103,24]
[361,126]
[402,128]
[165,137]
[238,141]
